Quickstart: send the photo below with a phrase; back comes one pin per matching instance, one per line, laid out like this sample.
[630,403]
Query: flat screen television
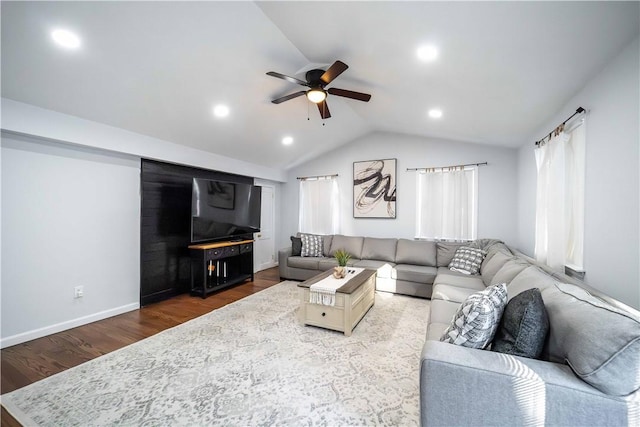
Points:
[224,210]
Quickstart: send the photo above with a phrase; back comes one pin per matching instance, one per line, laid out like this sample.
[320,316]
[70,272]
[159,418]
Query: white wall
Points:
[70,217]
[497,183]
[28,119]
[612,186]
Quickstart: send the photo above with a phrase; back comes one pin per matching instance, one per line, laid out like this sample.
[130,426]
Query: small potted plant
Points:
[342,257]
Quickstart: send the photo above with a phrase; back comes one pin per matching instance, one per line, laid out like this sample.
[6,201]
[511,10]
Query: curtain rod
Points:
[579,110]
[452,166]
[317,177]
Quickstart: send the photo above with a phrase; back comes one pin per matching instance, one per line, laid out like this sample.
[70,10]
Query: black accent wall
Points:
[165,223]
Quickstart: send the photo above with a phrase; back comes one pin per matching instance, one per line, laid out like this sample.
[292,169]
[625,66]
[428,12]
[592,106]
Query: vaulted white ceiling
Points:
[158,68]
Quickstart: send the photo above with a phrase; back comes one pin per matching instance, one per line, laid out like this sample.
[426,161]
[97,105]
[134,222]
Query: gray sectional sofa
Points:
[589,371]
[590,368]
[404,266]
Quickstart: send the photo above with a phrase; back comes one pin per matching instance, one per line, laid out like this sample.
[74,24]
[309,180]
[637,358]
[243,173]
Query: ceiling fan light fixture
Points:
[316,95]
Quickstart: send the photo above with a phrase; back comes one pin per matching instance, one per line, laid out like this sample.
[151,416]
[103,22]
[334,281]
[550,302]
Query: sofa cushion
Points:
[309,263]
[451,293]
[524,326]
[416,252]
[442,311]
[440,314]
[435,330]
[446,251]
[490,267]
[296,246]
[383,268]
[600,343]
[453,278]
[326,244]
[467,260]
[380,249]
[509,270]
[414,273]
[476,321]
[311,245]
[530,277]
[351,244]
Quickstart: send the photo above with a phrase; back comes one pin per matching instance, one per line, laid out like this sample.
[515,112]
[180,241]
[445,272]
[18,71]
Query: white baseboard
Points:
[265,266]
[63,326]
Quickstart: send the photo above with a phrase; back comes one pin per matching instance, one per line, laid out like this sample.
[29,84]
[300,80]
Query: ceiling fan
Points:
[317,80]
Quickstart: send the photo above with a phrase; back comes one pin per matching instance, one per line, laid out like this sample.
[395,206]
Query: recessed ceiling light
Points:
[427,53]
[66,39]
[435,113]
[287,140]
[221,110]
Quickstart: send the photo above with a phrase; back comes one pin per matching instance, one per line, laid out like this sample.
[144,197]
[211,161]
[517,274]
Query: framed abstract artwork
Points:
[374,189]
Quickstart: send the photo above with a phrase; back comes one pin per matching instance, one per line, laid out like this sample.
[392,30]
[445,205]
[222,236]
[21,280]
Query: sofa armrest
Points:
[464,386]
[283,255]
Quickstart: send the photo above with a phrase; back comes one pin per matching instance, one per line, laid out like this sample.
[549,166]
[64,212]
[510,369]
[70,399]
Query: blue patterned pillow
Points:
[467,260]
[476,321]
[311,245]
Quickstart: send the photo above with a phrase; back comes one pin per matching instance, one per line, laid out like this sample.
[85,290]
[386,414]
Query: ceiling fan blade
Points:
[324,109]
[334,71]
[287,78]
[350,94]
[288,97]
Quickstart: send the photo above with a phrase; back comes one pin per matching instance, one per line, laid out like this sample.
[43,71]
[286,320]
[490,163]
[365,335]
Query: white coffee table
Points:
[353,300]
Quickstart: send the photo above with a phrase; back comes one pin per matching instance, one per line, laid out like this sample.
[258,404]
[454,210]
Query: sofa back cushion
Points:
[489,268]
[446,251]
[416,252]
[599,342]
[379,249]
[509,270]
[351,244]
[326,240]
[530,277]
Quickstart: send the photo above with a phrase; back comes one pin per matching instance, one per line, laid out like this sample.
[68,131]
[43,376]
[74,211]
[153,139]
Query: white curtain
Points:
[575,181]
[446,204]
[560,200]
[319,206]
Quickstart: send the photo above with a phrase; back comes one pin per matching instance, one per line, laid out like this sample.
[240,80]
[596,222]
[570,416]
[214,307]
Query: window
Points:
[559,238]
[319,205]
[447,203]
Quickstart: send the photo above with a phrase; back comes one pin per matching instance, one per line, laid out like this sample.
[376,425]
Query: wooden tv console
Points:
[217,265]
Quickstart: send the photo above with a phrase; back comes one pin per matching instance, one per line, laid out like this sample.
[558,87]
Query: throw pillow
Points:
[311,245]
[524,326]
[476,321]
[467,260]
[296,246]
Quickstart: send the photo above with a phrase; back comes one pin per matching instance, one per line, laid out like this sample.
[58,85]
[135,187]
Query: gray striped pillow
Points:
[476,321]
[467,260]
[311,245]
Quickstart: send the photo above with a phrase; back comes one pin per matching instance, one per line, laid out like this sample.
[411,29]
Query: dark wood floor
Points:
[32,361]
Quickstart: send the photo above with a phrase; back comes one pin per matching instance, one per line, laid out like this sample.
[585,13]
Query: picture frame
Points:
[374,189]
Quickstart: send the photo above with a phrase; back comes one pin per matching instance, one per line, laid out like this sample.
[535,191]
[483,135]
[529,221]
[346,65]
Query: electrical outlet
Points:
[78,291]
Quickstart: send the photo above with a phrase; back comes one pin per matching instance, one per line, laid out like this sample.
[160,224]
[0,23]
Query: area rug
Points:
[250,363]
